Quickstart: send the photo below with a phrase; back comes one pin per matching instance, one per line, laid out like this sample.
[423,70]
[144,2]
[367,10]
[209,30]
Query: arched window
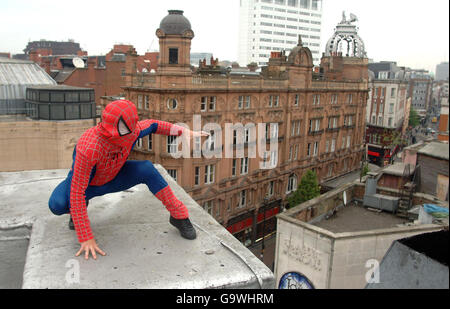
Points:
[292,183]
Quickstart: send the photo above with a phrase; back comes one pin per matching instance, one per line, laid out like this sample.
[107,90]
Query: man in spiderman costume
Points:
[100,167]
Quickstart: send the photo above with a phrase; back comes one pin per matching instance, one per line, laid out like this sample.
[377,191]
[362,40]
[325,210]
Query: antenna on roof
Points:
[78,62]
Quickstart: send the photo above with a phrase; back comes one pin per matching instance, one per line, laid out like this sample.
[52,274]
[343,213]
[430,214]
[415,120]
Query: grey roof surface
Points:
[435,149]
[63,74]
[143,249]
[175,23]
[59,87]
[16,75]
[406,266]
[397,169]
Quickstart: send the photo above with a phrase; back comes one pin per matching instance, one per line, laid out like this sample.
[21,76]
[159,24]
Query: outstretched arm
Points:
[80,181]
[151,126]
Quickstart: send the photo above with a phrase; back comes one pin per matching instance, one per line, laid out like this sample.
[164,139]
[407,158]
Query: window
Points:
[172,144]
[380,121]
[292,183]
[139,143]
[197,144]
[296,152]
[247,101]
[172,104]
[333,122]
[343,142]
[212,103]
[274,131]
[391,108]
[295,129]
[244,166]
[330,170]
[209,174]
[390,122]
[334,99]
[210,142]
[242,100]
[393,92]
[173,174]
[173,55]
[314,125]
[349,120]
[273,158]
[291,150]
[327,146]
[316,149]
[242,198]
[274,101]
[150,142]
[233,167]
[146,103]
[333,145]
[296,100]
[349,141]
[140,101]
[308,153]
[197,176]
[270,188]
[246,135]
[316,99]
[208,207]
[350,99]
[204,104]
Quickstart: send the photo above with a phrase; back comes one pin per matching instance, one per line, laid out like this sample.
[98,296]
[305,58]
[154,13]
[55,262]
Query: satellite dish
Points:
[78,62]
[344,197]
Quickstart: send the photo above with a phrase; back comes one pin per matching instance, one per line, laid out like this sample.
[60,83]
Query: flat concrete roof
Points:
[397,169]
[436,149]
[132,227]
[354,218]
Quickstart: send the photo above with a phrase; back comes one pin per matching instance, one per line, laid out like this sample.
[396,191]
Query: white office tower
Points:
[274,25]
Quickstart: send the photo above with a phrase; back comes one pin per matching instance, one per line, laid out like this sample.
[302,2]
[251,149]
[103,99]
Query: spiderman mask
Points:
[119,123]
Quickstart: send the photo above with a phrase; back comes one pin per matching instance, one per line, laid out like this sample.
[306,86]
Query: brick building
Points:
[318,123]
[387,111]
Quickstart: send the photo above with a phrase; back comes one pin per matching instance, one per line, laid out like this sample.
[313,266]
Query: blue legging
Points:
[132,173]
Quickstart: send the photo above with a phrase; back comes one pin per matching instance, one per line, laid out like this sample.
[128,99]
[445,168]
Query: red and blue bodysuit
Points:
[100,166]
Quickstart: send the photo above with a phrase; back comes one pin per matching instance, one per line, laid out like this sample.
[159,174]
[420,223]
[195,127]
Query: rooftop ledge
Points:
[132,227]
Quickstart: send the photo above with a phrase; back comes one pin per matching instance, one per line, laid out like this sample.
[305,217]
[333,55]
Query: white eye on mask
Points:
[123,128]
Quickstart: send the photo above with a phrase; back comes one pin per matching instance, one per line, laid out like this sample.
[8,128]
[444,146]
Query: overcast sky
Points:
[413,33]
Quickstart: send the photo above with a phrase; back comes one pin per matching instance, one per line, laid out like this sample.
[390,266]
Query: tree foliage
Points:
[307,189]
[414,119]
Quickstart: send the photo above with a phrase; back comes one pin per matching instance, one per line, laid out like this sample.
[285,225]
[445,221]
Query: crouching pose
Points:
[100,166]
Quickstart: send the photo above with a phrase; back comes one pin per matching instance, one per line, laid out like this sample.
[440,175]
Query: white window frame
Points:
[172,144]
[242,199]
[244,166]
[173,173]
[270,188]
[209,174]
[292,183]
[146,103]
[196,175]
[208,206]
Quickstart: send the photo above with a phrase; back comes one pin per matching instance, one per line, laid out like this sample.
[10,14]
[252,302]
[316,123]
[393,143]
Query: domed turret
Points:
[175,24]
[175,35]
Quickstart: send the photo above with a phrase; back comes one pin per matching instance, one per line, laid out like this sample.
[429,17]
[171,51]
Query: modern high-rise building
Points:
[442,71]
[275,25]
